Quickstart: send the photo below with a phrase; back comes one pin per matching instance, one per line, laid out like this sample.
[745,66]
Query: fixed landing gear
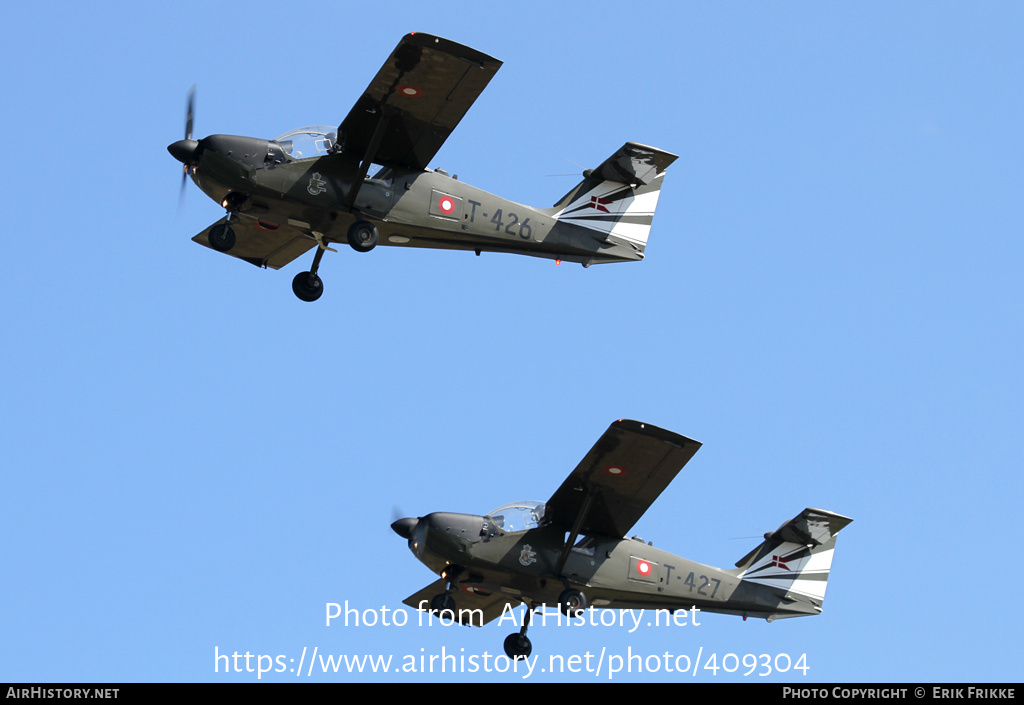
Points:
[221,237]
[363,236]
[572,602]
[307,286]
[517,644]
[442,602]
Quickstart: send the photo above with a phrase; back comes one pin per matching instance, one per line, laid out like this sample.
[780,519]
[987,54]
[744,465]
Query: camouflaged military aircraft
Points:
[572,551]
[309,188]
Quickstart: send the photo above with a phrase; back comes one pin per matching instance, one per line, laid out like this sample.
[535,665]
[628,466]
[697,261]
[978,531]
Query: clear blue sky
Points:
[831,302]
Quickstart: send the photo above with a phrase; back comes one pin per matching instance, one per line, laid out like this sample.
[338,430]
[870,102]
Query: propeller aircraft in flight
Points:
[313,187]
[572,550]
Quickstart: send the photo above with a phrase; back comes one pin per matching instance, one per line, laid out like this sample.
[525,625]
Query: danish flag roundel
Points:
[446,204]
[643,568]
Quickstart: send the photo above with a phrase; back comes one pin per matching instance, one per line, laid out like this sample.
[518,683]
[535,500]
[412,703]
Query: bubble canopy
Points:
[518,516]
[306,142]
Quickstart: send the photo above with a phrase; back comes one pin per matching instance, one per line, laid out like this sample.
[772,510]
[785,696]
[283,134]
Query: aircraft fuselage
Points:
[613,573]
[253,177]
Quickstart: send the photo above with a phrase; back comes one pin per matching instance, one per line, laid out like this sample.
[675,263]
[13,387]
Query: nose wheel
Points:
[517,644]
[307,285]
[362,236]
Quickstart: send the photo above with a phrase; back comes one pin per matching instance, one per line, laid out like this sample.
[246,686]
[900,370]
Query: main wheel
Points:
[518,646]
[572,602]
[221,237]
[363,236]
[307,286]
[442,602]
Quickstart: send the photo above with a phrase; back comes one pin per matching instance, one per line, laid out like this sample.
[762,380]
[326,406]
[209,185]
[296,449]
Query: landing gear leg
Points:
[307,285]
[517,645]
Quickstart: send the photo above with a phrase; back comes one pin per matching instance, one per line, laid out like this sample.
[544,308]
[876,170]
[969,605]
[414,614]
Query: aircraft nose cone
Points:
[184,150]
[404,527]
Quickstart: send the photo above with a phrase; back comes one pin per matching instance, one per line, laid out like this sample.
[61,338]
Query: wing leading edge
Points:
[621,476]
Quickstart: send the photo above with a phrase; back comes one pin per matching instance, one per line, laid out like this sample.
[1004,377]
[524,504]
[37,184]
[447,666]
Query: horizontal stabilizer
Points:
[634,164]
[812,527]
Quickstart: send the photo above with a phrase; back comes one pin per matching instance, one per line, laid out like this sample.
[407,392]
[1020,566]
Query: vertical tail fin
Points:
[618,198]
[797,556]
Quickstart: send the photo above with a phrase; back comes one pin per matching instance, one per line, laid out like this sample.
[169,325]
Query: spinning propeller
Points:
[186,151]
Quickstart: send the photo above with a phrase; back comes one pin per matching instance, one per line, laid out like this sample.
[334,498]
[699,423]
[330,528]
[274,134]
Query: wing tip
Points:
[653,431]
[448,46]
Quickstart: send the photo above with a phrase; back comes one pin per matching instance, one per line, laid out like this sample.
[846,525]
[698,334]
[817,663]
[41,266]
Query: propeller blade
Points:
[190,112]
[181,193]
[185,150]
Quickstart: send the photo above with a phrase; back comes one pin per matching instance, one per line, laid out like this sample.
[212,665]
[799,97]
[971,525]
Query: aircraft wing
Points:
[467,602]
[257,243]
[621,476]
[420,93]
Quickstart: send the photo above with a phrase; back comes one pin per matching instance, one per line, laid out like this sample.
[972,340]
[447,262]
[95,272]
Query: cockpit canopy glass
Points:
[306,142]
[518,516]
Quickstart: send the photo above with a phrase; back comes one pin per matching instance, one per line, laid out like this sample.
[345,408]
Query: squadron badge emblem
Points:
[528,555]
[316,184]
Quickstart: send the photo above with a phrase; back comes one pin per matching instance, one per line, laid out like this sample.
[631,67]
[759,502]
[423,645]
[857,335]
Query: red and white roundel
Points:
[643,568]
[409,91]
[615,471]
[446,204]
